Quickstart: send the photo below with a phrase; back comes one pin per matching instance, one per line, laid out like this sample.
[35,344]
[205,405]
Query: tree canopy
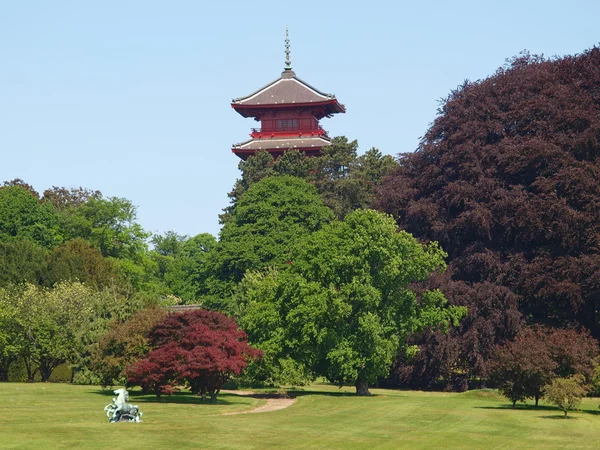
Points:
[343,306]
[264,225]
[507,180]
[343,179]
[199,348]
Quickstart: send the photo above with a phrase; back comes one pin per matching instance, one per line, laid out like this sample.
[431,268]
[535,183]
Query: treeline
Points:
[72,262]
[67,241]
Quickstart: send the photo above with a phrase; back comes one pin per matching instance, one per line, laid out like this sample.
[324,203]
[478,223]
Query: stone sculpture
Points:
[121,411]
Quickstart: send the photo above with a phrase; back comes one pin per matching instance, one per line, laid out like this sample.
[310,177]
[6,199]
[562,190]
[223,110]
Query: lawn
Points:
[45,416]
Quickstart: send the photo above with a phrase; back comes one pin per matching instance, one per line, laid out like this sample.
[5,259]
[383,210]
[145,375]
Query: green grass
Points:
[45,416]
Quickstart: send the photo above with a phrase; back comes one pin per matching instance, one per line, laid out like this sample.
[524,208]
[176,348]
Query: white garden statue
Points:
[121,411]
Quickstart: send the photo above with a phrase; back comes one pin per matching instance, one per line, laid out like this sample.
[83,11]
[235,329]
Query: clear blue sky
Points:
[133,97]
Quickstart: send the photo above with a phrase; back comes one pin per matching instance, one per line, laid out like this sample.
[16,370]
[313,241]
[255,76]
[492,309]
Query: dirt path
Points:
[273,404]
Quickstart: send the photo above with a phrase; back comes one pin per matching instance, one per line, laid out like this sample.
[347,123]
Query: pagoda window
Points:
[287,124]
[268,125]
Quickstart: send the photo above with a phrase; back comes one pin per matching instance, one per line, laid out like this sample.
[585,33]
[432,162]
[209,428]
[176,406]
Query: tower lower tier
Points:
[276,146]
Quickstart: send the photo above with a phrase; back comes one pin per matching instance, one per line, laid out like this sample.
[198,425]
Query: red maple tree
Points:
[200,349]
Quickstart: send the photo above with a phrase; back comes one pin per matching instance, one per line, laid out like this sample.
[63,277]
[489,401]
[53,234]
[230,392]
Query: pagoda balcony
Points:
[258,133]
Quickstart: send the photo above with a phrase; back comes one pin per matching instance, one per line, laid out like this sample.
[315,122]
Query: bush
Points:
[566,393]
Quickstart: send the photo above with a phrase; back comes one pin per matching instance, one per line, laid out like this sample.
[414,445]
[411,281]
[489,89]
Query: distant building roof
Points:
[183,308]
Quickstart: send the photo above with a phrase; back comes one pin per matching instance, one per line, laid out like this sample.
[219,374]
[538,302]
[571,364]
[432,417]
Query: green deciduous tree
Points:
[182,264]
[566,393]
[49,324]
[11,337]
[22,261]
[23,217]
[345,180]
[77,260]
[264,225]
[343,306]
[108,224]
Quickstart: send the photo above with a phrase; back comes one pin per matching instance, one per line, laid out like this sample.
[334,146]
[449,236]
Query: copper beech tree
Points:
[507,180]
[200,349]
[523,366]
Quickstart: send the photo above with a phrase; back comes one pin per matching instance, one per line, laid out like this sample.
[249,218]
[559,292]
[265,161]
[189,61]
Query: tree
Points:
[344,180]
[113,304]
[524,366]
[22,261]
[566,393]
[574,351]
[169,244]
[347,181]
[77,260]
[200,348]
[11,338]
[108,224]
[507,180]
[537,355]
[49,324]
[449,361]
[124,343]
[183,264]
[343,306]
[23,217]
[264,225]
[63,198]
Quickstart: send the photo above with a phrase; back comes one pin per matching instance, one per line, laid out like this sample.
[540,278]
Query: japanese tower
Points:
[289,111]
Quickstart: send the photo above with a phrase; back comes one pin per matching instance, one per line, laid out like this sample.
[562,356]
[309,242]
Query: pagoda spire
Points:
[288,63]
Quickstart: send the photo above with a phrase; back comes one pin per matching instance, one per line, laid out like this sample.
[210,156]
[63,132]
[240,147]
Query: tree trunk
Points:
[29,368]
[45,372]
[537,399]
[5,367]
[514,403]
[362,388]
[565,413]
[47,366]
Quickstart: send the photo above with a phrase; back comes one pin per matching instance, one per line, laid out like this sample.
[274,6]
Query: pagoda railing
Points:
[296,131]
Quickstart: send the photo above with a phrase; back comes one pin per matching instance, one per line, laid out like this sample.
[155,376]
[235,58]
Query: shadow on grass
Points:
[301,393]
[186,397]
[562,417]
[520,407]
[180,398]
[542,408]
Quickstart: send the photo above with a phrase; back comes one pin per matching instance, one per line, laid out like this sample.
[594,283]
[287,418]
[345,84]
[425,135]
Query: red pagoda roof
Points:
[287,91]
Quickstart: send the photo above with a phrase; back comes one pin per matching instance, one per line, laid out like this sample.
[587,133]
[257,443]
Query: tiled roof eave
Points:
[283,143]
[333,102]
[285,89]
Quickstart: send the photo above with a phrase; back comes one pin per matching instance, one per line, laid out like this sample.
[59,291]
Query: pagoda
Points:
[289,111]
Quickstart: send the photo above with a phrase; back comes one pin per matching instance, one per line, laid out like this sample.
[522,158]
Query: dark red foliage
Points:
[199,348]
[523,366]
[448,360]
[573,351]
[507,180]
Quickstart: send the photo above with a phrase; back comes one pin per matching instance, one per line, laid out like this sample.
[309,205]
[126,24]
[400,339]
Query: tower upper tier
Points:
[288,91]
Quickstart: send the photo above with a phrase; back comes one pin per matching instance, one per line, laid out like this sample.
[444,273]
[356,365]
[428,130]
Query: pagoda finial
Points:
[288,63]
